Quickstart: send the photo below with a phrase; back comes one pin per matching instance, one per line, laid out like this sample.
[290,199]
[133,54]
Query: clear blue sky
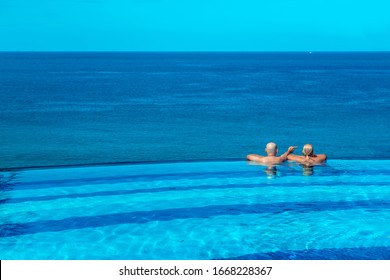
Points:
[194,25]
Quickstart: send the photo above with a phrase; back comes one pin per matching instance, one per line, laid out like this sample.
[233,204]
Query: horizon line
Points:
[189,51]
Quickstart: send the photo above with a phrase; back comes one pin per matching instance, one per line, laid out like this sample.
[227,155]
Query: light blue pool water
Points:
[197,210]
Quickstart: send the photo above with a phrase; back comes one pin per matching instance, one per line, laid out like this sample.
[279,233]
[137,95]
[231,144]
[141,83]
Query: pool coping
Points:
[123,163]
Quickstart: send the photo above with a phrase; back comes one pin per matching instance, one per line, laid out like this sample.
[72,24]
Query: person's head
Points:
[308,150]
[271,149]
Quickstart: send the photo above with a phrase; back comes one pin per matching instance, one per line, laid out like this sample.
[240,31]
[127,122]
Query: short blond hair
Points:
[308,150]
[271,148]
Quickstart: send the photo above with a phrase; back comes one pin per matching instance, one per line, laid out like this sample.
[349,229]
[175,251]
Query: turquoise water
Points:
[197,210]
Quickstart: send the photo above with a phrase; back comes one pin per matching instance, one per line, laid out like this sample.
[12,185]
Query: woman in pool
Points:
[308,157]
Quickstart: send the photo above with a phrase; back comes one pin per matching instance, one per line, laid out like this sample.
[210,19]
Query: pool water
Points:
[197,210]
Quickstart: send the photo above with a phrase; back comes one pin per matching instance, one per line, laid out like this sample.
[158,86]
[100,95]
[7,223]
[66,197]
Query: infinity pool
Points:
[197,210]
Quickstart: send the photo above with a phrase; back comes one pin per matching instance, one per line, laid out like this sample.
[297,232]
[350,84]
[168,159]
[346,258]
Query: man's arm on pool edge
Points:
[254,157]
[293,157]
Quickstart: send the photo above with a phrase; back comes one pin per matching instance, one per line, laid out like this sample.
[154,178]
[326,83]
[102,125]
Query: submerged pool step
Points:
[237,207]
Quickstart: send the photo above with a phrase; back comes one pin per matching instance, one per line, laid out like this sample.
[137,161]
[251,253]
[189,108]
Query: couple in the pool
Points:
[308,158]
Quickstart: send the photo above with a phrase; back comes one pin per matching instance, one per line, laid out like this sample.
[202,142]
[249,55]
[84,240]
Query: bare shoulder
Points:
[321,157]
[254,157]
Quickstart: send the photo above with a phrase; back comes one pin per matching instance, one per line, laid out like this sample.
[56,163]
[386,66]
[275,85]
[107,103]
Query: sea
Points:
[70,108]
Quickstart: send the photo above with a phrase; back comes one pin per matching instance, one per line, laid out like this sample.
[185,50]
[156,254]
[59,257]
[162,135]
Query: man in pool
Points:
[272,150]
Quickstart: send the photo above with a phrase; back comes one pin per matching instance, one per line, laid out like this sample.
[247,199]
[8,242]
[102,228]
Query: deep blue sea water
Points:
[75,108]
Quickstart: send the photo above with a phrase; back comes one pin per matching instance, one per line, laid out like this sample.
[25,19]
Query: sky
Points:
[194,25]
